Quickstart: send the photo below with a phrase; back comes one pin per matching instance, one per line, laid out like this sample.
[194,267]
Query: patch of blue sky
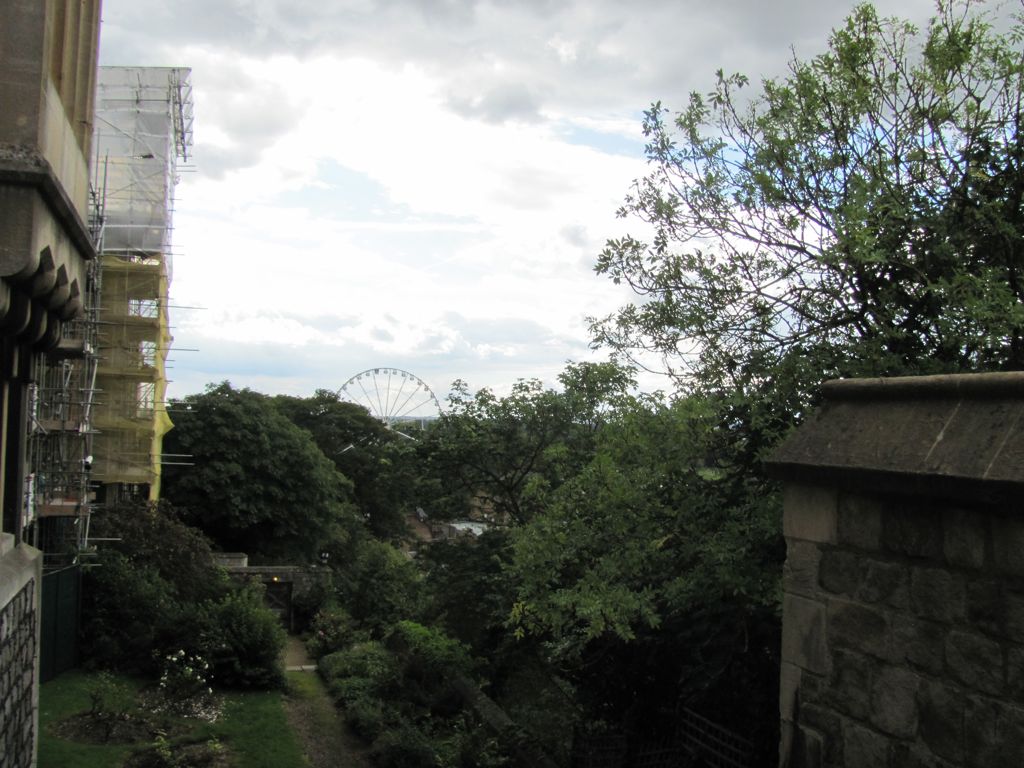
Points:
[261,365]
[608,142]
[344,194]
[222,360]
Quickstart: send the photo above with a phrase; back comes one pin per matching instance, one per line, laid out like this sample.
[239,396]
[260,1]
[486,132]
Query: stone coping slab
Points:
[959,435]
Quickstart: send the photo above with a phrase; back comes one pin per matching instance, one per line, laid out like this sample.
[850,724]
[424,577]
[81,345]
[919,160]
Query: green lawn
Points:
[255,730]
[252,728]
[68,695]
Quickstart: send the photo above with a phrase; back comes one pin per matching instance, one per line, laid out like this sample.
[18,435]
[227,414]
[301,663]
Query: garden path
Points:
[295,657]
[321,731]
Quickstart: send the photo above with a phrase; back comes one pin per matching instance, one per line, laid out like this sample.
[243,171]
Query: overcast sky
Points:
[421,184]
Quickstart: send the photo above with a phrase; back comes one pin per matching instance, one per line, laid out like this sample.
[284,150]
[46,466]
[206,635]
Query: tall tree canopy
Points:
[381,463]
[505,454]
[258,483]
[863,215]
[650,571]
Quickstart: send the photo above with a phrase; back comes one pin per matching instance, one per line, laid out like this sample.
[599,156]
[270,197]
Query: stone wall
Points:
[903,633]
[903,607]
[20,577]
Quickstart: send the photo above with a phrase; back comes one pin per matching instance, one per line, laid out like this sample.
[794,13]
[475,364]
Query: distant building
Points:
[47,78]
[143,131]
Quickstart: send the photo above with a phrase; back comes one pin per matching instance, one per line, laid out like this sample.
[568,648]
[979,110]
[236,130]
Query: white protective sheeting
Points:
[143,128]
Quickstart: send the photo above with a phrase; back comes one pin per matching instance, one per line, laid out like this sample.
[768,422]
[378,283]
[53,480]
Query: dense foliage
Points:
[652,571]
[501,456]
[244,640]
[258,483]
[379,462]
[862,215]
[627,558]
[398,694]
[469,590]
[156,592]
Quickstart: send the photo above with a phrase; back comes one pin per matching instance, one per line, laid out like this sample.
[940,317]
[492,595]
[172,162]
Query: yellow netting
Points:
[133,340]
[143,127]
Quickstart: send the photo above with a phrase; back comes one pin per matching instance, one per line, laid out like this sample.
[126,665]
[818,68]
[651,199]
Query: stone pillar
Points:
[903,607]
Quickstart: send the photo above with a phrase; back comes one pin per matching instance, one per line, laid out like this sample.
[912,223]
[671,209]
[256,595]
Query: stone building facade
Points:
[903,627]
[47,79]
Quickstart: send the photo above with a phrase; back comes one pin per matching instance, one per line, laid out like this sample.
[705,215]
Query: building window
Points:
[145,400]
[147,353]
[149,308]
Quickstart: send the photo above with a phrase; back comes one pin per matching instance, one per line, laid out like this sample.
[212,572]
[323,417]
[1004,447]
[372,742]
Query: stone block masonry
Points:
[903,608]
[904,649]
[17,655]
[20,577]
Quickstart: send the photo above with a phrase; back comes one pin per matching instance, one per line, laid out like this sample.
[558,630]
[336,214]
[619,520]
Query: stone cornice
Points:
[28,168]
[959,436]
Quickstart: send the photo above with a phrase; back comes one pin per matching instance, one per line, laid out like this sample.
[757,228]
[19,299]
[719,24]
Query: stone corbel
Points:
[19,312]
[72,308]
[61,290]
[38,321]
[52,333]
[45,277]
[6,296]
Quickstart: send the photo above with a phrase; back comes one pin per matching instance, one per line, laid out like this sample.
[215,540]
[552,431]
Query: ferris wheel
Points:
[391,395]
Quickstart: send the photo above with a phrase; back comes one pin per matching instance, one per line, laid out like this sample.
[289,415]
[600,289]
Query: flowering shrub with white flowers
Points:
[185,683]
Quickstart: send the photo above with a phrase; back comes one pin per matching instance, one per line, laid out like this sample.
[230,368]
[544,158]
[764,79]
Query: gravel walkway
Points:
[325,738]
[295,657]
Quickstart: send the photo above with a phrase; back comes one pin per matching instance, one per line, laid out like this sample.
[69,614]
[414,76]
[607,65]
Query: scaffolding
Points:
[96,404]
[143,136]
[57,492]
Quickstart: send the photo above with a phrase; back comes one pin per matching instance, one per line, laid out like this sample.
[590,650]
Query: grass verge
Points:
[252,727]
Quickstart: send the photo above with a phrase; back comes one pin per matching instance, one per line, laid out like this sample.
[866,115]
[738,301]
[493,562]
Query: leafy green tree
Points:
[158,593]
[495,453]
[154,536]
[504,454]
[593,390]
[381,464]
[337,426]
[245,639]
[469,590]
[861,215]
[152,568]
[651,577]
[375,582]
[259,483]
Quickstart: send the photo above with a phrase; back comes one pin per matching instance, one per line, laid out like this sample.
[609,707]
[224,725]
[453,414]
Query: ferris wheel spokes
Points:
[386,394]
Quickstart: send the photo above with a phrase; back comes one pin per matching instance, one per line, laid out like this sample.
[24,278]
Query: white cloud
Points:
[420,184]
